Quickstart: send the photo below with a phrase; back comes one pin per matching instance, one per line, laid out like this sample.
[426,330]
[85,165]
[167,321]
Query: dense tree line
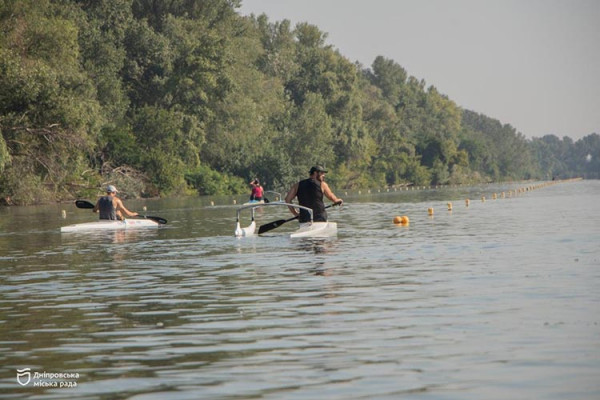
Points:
[559,159]
[164,97]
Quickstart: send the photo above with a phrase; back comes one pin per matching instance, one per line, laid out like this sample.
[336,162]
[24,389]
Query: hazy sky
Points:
[534,64]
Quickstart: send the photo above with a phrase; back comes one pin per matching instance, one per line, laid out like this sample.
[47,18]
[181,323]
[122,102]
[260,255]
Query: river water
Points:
[497,300]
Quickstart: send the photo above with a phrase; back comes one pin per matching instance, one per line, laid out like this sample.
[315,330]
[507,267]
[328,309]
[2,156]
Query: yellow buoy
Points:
[449,206]
[483,199]
[467,202]
[430,211]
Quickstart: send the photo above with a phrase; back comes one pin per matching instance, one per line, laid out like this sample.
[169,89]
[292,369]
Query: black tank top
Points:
[310,195]
[107,208]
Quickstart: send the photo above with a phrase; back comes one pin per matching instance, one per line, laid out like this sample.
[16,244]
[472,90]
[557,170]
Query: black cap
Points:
[317,168]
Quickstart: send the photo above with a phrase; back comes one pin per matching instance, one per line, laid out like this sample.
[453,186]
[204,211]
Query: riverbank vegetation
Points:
[186,96]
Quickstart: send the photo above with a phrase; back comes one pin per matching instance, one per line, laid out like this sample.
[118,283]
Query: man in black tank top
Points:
[310,194]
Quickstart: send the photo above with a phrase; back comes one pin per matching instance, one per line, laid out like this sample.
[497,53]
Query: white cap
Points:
[111,189]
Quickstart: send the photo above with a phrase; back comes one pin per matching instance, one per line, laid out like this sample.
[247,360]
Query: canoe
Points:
[315,229]
[306,230]
[110,225]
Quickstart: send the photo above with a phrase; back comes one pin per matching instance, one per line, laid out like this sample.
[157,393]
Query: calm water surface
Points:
[498,300]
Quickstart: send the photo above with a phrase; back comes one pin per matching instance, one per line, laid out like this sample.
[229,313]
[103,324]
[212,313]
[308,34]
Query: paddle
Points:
[87,204]
[272,225]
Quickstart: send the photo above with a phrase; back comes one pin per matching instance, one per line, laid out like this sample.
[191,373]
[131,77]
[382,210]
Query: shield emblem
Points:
[23,376]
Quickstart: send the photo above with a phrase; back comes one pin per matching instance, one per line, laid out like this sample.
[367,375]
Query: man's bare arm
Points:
[290,197]
[329,194]
[121,207]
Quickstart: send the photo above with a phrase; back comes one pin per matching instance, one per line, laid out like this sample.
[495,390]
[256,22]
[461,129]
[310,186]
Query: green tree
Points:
[170,142]
[48,106]
[389,77]
[102,34]
[277,58]
[311,138]
[586,155]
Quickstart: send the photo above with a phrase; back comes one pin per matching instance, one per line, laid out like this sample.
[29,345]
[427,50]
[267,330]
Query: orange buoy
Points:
[403,220]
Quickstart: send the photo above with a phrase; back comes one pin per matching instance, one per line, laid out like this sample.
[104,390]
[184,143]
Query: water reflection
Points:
[320,248]
[115,236]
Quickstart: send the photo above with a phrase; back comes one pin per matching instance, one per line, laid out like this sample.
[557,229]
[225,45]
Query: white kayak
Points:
[110,225]
[315,229]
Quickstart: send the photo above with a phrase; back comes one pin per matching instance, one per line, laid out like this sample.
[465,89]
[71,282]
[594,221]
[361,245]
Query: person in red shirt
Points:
[257,191]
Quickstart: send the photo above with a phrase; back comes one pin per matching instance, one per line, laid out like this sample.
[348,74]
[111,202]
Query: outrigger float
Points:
[306,230]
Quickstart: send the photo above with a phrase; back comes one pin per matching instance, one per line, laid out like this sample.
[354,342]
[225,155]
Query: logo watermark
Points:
[26,377]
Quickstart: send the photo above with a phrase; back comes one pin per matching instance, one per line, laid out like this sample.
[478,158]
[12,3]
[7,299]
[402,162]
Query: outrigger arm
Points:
[250,230]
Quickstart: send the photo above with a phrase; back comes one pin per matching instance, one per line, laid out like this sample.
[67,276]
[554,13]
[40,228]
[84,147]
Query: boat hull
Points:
[254,202]
[316,229]
[107,225]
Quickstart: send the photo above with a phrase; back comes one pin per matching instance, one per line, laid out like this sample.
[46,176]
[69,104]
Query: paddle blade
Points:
[83,204]
[270,226]
[159,220]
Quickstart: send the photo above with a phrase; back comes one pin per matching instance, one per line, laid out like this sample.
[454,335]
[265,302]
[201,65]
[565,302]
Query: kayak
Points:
[254,202]
[315,229]
[110,225]
[265,200]
[306,230]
